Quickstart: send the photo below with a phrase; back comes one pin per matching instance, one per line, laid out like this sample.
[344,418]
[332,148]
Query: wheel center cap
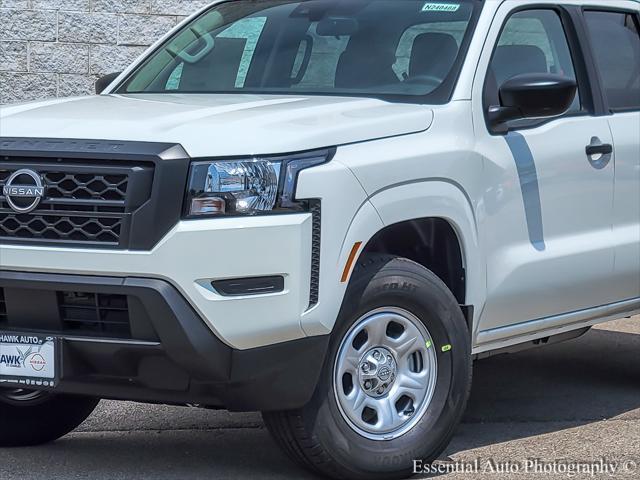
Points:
[377,372]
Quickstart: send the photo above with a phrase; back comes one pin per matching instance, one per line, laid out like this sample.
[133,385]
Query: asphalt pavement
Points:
[570,410]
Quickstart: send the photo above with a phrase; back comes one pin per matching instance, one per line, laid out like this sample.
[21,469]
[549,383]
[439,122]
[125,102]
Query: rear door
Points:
[615,42]
[547,214]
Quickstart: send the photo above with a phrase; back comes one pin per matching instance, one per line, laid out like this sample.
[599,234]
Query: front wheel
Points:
[395,382]
[31,417]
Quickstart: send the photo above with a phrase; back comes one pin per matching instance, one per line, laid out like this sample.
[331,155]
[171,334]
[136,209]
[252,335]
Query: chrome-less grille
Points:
[86,186]
[84,202]
[79,313]
[61,228]
[94,314]
[87,193]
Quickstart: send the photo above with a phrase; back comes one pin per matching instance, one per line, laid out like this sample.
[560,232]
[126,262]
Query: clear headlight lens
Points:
[247,186]
[234,187]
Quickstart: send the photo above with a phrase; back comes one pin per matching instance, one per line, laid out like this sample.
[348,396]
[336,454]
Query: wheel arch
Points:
[439,215]
[429,241]
[416,201]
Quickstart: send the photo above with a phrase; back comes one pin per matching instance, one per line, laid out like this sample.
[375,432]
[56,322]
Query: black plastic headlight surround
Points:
[248,186]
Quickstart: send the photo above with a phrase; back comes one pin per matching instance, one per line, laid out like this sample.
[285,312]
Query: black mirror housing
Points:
[103,82]
[536,95]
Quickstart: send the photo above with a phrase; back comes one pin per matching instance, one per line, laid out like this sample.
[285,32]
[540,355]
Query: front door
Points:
[546,217]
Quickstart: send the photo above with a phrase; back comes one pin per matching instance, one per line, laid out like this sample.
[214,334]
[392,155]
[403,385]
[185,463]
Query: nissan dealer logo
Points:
[23,191]
[37,362]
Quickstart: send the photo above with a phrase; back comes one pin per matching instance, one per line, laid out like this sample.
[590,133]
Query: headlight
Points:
[248,186]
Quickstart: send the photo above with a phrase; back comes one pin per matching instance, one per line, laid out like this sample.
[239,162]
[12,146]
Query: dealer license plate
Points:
[27,360]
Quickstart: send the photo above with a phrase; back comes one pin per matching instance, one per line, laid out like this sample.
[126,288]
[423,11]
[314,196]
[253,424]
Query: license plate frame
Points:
[29,360]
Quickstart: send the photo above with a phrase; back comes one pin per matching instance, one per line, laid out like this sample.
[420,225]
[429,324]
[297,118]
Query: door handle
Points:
[599,149]
[603,152]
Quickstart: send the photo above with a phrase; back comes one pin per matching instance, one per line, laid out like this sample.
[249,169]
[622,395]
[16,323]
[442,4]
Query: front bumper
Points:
[195,253]
[168,354]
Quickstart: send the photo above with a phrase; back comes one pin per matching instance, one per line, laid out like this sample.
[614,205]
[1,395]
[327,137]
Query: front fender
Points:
[423,199]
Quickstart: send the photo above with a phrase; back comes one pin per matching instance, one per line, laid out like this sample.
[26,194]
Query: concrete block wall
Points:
[58,48]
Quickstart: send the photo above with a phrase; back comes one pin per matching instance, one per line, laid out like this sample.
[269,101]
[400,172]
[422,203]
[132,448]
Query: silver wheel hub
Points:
[378,371]
[385,373]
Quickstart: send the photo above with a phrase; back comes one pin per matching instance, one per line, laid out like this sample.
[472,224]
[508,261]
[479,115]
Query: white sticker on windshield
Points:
[441,7]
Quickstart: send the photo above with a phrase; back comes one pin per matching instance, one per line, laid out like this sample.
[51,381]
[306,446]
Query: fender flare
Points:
[427,198]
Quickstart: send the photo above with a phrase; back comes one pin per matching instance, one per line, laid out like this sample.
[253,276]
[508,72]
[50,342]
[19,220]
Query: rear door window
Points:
[616,47]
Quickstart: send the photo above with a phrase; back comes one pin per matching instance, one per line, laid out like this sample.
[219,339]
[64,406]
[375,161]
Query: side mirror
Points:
[536,95]
[103,82]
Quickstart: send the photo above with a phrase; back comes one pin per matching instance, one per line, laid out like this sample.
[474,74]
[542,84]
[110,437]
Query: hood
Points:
[216,125]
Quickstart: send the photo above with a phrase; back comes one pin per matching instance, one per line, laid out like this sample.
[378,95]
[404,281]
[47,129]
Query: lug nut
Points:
[376,355]
[367,385]
[365,367]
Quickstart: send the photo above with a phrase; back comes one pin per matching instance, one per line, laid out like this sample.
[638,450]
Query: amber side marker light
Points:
[350,260]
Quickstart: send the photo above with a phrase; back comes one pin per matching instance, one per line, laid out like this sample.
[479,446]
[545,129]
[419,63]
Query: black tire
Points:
[41,419]
[317,436]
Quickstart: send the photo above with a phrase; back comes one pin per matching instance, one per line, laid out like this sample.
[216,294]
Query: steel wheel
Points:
[385,373]
[393,389]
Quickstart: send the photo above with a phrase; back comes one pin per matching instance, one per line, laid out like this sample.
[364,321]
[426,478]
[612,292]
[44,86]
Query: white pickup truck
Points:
[323,210]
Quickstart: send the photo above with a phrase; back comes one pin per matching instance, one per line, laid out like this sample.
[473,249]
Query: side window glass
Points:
[616,47]
[532,41]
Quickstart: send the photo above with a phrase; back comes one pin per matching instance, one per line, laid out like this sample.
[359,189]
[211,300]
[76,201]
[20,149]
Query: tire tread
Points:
[44,422]
[288,427]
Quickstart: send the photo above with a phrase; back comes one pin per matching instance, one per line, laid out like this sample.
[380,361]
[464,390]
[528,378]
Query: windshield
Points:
[396,49]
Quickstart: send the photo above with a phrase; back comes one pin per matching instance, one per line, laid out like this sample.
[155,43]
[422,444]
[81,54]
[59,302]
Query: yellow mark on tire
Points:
[428,344]
[446,348]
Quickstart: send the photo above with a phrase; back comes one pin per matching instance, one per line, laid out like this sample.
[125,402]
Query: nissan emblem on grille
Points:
[23,191]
